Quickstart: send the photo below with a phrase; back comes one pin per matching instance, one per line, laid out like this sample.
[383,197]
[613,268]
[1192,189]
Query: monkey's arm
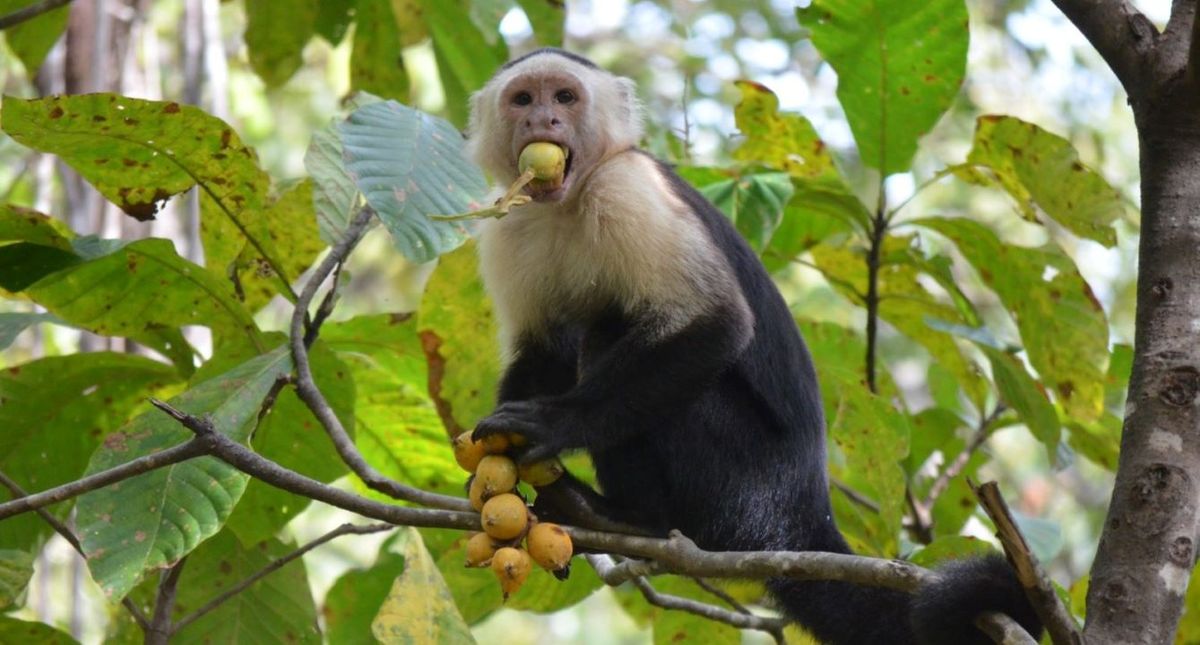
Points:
[642,376]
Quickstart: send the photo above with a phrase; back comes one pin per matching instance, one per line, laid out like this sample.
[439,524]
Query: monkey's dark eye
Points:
[523,98]
[565,96]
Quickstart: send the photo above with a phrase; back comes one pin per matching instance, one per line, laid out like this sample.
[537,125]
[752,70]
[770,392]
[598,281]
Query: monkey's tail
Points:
[940,613]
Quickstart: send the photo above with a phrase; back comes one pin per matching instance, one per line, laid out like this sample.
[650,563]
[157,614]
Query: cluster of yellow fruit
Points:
[504,517]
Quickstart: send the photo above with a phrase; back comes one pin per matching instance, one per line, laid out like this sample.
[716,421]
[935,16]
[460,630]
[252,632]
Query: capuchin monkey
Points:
[637,325]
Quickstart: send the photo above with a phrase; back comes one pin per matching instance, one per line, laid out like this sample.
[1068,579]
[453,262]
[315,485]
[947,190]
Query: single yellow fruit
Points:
[548,161]
[517,440]
[504,516]
[495,444]
[542,473]
[467,452]
[496,474]
[480,550]
[475,493]
[549,545]
[511,567]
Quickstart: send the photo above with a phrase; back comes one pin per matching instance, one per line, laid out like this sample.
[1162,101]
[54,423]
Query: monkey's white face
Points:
[549,97]
[551,106]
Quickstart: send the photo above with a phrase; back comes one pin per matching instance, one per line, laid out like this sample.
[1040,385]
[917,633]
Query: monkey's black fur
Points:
[717,430]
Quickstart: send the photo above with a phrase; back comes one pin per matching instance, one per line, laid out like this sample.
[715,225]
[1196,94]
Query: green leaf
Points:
[547,18]
[904,302]
[23,631]
[138,153]
[899,67]
[1188,632]
[376,61]
[419,607]
[138,288]
[477,594]
[1018,389]
[1037,285]
[1044,536]
[16,568]
[458,332]
[334,18]
[352,602]
[289,225]
[276,32]
[152,520]
[822,205]
[754,202]
[335,196]
[1099,441]
[54,412]
[33,39]
[398,428]
[869,441]
[12,324]
[1042,170]
[25,263]
[292,437]
[26,225]
[673,626]
[466,57]
[279,608]
[951,547]
[409,165]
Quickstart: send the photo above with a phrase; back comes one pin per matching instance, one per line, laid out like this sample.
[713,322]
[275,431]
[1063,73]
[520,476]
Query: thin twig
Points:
[29,13]
[604,565]
[855,496]
[275,565]
[67,534]
[721,594]
[1038,588]
[302,334]
[1002,629]
[273,474]
[955,467]
[182,452]
[879,227]
[164,604]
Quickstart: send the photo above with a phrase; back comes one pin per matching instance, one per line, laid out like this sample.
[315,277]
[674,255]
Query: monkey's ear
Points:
[630,108]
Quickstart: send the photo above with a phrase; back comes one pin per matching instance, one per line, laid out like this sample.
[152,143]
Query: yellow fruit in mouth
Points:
[548,161]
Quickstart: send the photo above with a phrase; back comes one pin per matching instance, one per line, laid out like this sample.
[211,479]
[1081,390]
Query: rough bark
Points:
[1147,549]
[1148,546]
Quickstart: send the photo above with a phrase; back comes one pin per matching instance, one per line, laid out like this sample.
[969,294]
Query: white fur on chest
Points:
[626,240]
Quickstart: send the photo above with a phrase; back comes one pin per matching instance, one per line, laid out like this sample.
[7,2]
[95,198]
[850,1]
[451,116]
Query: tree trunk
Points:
[1147,550]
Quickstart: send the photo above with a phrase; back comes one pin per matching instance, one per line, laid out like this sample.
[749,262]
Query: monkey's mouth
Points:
[556,189]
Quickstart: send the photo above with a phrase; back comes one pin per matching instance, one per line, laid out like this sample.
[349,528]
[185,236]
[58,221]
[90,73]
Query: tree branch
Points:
[1002,629]
[1122,34]
[193,448]
[269,472]
[29,13]
[677,554]
[1038,588]
[742,620]
[303,334]
[721,595]
[164,603]
[275,565]
[67,534]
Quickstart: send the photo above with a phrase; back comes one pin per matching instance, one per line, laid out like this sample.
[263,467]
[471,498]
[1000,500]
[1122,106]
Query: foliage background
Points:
[1024,60]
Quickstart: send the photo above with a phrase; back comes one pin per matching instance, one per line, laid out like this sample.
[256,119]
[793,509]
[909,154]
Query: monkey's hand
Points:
[548,428]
